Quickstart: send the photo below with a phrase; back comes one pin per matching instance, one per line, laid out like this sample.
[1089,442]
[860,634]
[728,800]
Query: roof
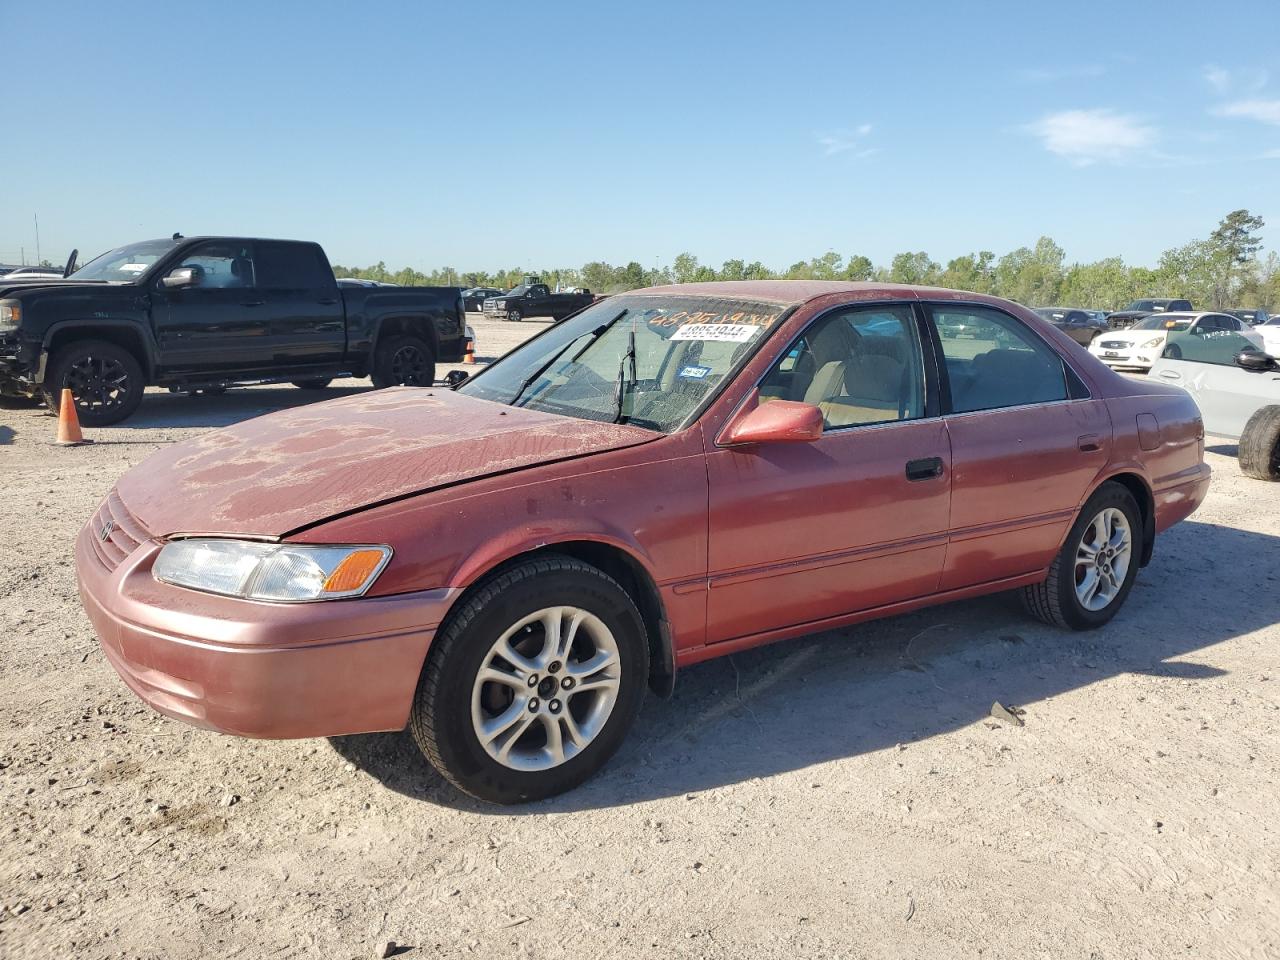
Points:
[792,292]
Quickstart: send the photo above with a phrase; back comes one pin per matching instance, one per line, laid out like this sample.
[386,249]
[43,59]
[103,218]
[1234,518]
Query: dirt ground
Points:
[844,795]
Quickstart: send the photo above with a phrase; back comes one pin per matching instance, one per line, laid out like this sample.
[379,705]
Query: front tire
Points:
[1094,571]
[514,316]
[1259,452]
[404,360]
[533,683]
[106,381]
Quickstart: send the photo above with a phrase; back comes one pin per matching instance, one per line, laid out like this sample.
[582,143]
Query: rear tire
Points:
[1259,452]
[317,384]
[105,379]
[404,360]
[1101,552]
[542,717]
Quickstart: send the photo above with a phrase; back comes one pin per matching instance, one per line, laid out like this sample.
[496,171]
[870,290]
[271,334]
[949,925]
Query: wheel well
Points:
[417,326]
[633,577]
[124,337]
[1146,504]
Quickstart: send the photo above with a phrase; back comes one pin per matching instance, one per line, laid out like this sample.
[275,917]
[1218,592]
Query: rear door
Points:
[303,306]
[801,532]
[1027,442]
[218,324]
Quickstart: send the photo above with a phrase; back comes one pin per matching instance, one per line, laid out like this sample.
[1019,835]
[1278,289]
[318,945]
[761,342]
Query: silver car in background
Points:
[1237,387]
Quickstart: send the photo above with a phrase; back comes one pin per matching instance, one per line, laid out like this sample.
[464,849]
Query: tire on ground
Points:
[1054,600]
[1259,452]
[441,720]
[128,378]
[403,359]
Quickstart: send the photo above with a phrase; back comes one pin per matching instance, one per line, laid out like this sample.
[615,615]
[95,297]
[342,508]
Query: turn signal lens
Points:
[354,572]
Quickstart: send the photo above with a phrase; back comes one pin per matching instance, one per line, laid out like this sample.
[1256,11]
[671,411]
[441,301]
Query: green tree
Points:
[859,268]
[913,268]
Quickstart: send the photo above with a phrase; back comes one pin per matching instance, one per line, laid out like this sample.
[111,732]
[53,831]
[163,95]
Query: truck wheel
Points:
[105,380]
[1259,453]
[514,315]
[533,682]
[317,384]
[404,360]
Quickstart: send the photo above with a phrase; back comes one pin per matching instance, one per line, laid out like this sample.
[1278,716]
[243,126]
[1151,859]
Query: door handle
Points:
[925,469]
[1089,443]
[1169,375]
[253,303]
[327,301]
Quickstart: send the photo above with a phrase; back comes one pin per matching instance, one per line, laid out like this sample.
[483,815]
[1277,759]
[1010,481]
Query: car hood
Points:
[284,471]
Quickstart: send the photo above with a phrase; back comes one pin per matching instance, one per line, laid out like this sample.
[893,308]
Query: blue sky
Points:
[484,135]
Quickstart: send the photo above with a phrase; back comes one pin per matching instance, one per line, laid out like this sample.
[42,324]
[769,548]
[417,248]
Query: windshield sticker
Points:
[134,267]
[716,332]
[694,373]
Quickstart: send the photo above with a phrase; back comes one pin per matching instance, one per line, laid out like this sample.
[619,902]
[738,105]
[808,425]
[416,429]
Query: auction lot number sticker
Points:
[716,332]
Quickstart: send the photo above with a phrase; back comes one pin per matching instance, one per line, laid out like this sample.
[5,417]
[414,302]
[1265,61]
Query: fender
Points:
[141,330]
[1115,469]
[378,322]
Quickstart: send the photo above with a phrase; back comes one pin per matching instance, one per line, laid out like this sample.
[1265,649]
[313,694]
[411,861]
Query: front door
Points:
[218,324]
[802,532]
[1027,442]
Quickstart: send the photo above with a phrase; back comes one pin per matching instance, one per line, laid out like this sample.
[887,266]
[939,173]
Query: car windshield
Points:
[1146,305]
[685,348]
[1162,323]
[124,264]
[519,291]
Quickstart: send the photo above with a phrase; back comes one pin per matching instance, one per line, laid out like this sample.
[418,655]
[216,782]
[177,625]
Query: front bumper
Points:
[250,668]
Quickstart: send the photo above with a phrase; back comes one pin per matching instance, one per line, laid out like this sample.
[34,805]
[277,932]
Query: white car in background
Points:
[1237,387]
[1138,347]
[1270,333]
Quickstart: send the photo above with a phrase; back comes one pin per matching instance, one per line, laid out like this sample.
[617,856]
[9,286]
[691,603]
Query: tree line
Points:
[1223,270]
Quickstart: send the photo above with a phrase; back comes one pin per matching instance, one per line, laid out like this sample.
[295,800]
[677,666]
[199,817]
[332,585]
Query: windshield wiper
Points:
[625,384]
[595,335]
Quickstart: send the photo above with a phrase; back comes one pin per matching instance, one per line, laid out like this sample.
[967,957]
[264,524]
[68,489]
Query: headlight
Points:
[1153,342]
[10,314]
[270,571]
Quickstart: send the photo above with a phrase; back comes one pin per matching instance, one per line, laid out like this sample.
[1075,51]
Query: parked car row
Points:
[1139,346]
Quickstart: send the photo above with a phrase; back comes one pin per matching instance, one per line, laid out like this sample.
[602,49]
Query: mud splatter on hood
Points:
[286,470]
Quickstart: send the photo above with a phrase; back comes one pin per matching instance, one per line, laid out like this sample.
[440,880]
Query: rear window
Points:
[291,266]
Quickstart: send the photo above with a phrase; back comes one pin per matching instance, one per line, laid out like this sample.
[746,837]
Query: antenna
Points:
[37,219]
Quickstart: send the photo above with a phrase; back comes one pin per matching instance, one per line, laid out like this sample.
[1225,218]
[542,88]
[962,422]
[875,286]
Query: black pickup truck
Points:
[1141,309]
[207,313]
[536,300]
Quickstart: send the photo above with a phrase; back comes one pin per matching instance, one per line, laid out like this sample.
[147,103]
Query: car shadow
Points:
[181,410]
[1225,449]
[6,435]
[892,682]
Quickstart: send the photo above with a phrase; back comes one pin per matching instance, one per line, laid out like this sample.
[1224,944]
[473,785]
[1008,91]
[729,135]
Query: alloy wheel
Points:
[546,688]
[1102,559]
[410,366]
[99,384]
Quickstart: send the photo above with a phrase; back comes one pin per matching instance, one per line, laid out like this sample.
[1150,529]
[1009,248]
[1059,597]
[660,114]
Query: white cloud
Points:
[845,141]
[1242,79]
[1089,136]
[1264,111]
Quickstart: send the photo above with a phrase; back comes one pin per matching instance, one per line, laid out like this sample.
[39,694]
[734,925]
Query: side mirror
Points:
[778,421]
[1255,360]
[180,277]
[456,378]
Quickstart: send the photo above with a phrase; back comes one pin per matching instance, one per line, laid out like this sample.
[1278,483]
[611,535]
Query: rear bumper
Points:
[258,669]
[1181,498]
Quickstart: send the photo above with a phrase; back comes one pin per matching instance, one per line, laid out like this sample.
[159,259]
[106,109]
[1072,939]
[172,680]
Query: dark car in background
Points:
[536,300]
[1140,309]
[205,313]
[473,298]
[1078,324]
[1254,318]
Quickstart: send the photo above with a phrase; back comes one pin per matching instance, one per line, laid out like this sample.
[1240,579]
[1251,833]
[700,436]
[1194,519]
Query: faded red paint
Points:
[745,545]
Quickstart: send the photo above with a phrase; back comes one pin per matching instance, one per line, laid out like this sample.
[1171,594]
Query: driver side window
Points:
[221,265]
[859,367]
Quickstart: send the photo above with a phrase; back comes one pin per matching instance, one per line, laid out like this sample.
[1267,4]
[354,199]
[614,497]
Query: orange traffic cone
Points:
[69,434]
[470,355]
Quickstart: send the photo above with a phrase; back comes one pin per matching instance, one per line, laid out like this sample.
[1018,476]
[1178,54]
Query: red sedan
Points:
[671,475]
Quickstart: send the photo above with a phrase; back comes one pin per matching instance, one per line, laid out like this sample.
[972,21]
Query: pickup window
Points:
[221,265]
[291,266]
